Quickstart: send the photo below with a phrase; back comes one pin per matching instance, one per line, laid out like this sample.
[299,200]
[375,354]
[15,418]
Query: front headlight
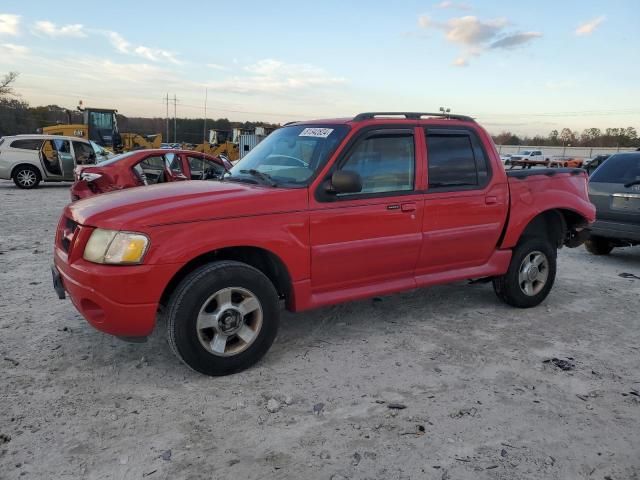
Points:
[113,247]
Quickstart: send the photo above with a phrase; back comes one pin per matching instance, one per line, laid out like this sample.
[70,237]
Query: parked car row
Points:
[31,159]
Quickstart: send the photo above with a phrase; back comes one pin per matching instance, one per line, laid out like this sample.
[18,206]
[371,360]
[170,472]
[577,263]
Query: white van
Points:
[31,159]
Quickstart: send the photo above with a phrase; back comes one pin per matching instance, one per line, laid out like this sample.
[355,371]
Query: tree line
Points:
[17,116]
[589,137]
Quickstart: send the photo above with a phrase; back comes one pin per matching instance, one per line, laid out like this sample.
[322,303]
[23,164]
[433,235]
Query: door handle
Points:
[491,200]
[408,207]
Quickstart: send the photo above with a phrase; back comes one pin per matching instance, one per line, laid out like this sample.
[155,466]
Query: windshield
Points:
[526,152]
[290,155]
[102,126]
[620,168]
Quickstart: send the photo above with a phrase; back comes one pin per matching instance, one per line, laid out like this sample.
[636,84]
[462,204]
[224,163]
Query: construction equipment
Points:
[101,126]
[219,144]
[135,141]
[228,149]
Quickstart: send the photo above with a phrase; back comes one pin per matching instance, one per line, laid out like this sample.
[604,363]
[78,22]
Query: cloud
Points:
[9,24]
[148,53]
[477,36]
[455,5]
[12,50]
[589,27]
[460,62]
[217,66]
[273,77]
[52,30]
[513,40]
[156,55]
[472,32]
[118,41]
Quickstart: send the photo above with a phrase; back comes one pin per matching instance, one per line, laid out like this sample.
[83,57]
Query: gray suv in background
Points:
[614,188]
[31,159]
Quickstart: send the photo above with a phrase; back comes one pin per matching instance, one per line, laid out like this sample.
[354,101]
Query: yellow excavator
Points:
[228,149]
[101,126]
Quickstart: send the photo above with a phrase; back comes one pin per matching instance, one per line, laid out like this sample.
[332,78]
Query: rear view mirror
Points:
[345,181]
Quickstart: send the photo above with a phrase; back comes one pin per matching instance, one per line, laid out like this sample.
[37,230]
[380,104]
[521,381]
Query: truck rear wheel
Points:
[598,246]
[530,276]
[222,318]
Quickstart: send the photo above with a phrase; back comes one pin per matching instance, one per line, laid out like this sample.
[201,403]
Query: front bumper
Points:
[616,230]
[118,300]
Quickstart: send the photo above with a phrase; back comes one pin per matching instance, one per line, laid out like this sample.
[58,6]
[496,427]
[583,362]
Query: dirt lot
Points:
[480,401]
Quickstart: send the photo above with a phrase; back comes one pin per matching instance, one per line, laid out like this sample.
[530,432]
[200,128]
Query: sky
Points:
[527,67]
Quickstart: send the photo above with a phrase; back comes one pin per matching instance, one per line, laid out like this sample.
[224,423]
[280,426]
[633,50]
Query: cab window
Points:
[456,160]
[204,169]
[385,162]
[152,169]
[175,162]
[27,144]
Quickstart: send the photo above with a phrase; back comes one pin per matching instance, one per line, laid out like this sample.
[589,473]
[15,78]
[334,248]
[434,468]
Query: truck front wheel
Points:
[222,318]
[530,276]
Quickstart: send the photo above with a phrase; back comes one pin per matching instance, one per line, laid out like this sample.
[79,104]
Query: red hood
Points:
[182,202]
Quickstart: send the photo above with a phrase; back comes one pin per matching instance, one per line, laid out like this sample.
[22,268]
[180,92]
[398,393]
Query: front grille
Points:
[66,235]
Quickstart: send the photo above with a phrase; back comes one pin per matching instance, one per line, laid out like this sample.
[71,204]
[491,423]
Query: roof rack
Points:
[410,116]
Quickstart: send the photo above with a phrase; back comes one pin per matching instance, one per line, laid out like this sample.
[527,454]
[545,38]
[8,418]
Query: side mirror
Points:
[345,181]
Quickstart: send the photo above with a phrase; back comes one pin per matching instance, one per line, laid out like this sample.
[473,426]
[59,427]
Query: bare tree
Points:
[5,84]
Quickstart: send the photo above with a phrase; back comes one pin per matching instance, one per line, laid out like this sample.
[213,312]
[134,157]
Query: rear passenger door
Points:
[370,239]
[464,209]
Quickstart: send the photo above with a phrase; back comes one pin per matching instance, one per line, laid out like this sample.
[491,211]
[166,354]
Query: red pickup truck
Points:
[320,212]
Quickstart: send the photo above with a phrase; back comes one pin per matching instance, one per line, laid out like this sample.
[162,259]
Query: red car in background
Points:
[145,167]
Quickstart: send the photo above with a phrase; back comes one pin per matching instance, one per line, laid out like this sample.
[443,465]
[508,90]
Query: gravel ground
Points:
[478,400]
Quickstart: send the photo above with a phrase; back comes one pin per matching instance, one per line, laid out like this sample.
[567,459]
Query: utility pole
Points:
[175,129]
[204,131]
[167,117]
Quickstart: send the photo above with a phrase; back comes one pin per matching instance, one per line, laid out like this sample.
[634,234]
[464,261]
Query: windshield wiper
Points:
[630,184]
[261,175]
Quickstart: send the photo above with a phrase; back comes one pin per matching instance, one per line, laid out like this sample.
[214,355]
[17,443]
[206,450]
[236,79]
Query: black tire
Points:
[26,177]
[195,292]
[598,246]
[508,287]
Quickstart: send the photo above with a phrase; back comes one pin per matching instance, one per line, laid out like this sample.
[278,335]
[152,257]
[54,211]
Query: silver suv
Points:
[31,159]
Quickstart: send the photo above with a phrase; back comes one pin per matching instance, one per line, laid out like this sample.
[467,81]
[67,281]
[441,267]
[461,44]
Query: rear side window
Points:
[619,168]
[456,160]
[27,144]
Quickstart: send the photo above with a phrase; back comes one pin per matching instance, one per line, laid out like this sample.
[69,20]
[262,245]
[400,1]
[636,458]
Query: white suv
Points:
[31,159]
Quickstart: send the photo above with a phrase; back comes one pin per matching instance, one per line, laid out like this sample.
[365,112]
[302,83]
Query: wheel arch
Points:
[559,225]
[26,164]
[260,258]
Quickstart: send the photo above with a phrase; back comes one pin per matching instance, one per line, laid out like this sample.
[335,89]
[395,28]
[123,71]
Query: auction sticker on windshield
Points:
[316,132]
